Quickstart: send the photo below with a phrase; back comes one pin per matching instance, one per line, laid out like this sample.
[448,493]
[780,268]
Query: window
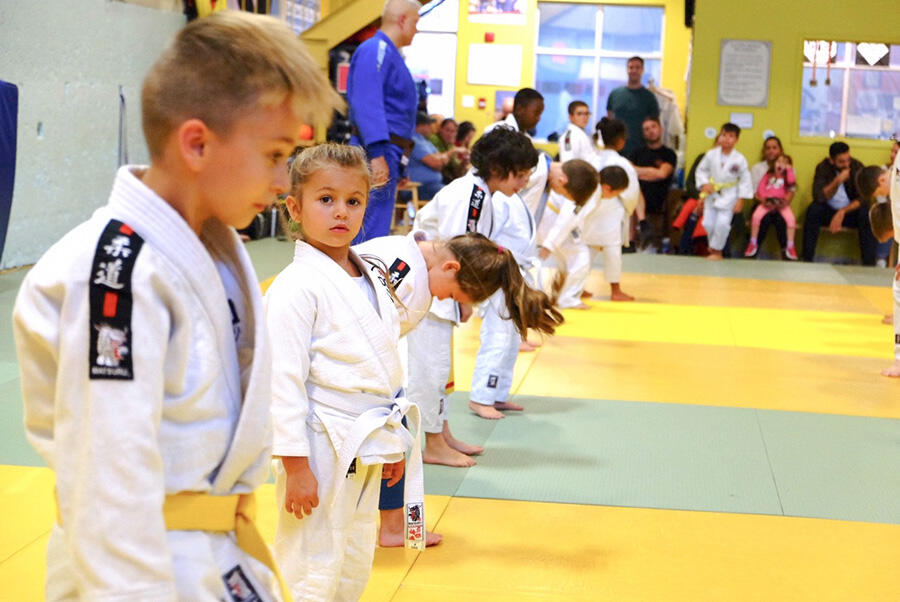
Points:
[582,50]
[850,89]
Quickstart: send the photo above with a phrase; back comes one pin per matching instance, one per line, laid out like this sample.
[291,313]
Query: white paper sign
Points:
[742,120]
[495,65]
[744,73]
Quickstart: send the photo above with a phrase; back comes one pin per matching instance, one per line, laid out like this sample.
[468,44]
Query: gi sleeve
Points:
[290,317]
[632,193]
[566,221]
[427,218]
[365,95]
[100,435]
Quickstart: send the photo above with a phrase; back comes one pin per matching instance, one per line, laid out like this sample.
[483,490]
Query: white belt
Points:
[382,413]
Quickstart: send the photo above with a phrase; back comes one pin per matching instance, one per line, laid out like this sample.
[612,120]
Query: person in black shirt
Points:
[655,166]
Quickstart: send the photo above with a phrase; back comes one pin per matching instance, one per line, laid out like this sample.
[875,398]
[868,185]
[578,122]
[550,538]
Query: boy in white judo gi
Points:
[575,143]
[141,339]
[873,182]
[723,177]
[565,236]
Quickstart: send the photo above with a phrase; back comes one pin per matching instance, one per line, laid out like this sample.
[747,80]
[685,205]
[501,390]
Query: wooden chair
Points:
[406,223]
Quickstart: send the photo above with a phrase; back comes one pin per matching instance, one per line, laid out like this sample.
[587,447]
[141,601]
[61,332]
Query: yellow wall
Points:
[786,25]
[676,38]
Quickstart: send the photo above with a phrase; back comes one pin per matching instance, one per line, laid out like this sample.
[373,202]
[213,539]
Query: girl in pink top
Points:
[774,193]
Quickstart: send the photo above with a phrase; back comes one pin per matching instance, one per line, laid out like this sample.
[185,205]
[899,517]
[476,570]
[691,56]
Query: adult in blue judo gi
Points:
[382,98]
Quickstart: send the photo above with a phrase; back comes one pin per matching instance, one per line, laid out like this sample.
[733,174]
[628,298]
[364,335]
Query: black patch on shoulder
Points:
[399,270]
[239,587]
[111,350]
[476,203]
[492,381]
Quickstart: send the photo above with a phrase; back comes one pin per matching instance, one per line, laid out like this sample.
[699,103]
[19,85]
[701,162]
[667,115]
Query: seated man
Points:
[445,140]
[426,163]
[655,165]
[836,203]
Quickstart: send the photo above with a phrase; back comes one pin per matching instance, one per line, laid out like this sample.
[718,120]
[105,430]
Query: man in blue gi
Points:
[382,98]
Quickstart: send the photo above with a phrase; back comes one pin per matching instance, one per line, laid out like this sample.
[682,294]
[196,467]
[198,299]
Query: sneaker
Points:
[791,253]
[751,250]
[881,262]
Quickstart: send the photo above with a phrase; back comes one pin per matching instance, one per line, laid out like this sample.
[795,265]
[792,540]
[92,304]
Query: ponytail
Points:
[486,267]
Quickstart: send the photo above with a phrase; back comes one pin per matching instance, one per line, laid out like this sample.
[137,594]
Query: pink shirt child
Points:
[775,186]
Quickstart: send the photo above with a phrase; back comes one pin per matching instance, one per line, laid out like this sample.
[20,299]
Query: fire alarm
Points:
[482,103]
[489,36]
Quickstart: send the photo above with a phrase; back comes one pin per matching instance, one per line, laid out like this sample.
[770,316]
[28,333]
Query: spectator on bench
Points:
[836,203]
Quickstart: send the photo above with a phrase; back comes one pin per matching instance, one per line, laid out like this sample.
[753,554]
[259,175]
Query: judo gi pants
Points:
[377,221]
[328,554]
[612,262]
[497,354]
[578,267]
[717,223]
[430,345]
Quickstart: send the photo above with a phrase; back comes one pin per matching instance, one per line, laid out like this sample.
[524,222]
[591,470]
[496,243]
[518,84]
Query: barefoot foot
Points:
[390,534]
[486,412]
[586,295]
[714,255]
[508,405]
[893,371]
[439,451]
[620,296]
[526,347]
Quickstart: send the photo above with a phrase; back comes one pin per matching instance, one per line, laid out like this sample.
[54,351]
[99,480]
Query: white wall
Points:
[68,58]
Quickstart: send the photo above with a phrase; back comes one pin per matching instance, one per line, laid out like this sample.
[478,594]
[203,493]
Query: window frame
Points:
[597,53]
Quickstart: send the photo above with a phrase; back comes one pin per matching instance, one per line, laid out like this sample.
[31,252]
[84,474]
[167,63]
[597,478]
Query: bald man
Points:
[382,98]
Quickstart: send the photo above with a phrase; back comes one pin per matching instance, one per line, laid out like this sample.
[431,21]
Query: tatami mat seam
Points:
[762,437]
[24,546]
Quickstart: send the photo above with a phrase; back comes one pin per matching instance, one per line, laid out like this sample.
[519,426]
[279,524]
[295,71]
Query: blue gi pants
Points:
[377,221]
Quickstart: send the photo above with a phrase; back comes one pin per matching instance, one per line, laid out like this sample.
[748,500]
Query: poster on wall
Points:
[500,12]
[744,68]
[495,65]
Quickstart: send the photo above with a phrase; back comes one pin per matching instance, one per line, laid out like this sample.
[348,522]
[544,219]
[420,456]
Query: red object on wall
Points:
[343,72]
[482,103]
[489,36]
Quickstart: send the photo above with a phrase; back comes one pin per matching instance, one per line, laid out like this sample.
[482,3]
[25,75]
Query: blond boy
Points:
[140,336]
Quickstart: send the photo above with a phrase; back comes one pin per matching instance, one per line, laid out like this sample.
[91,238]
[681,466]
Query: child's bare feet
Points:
[893,371]
[714,255]
[460,446]
[486,412]
[508,405]
[580,306]
[617,294]
[887,319]
[586,295]
[438,451]
[526,346]
[390,534]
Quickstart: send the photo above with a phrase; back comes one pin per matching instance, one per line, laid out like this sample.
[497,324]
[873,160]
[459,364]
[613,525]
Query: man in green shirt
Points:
[632,103]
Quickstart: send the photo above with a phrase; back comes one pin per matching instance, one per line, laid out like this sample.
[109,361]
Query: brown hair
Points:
[582,178]
[615,177]
[226,65]
[881,219]
[310,160]
[867,182]
[485,267]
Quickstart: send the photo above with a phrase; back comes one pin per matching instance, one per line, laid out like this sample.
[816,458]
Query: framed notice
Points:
[744,68]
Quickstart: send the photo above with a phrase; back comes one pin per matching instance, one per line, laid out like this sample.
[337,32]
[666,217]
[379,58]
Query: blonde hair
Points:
[223,66]
[484,267]
[315,158]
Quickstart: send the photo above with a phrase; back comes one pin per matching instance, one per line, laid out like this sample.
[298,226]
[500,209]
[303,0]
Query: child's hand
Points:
[707,189]
[543,253]
[301,489]
[393,472]
[465,312]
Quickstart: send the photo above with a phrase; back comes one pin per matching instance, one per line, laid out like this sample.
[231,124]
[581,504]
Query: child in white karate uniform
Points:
[502,160]
[873,182]
[141,339]
[467,268]
[565,239]
[336,386]
[723,177]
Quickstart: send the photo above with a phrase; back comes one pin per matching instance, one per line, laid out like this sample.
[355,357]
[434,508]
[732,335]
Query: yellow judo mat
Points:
[706,342]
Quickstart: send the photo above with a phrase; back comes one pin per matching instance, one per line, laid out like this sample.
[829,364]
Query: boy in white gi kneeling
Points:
[141,339]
